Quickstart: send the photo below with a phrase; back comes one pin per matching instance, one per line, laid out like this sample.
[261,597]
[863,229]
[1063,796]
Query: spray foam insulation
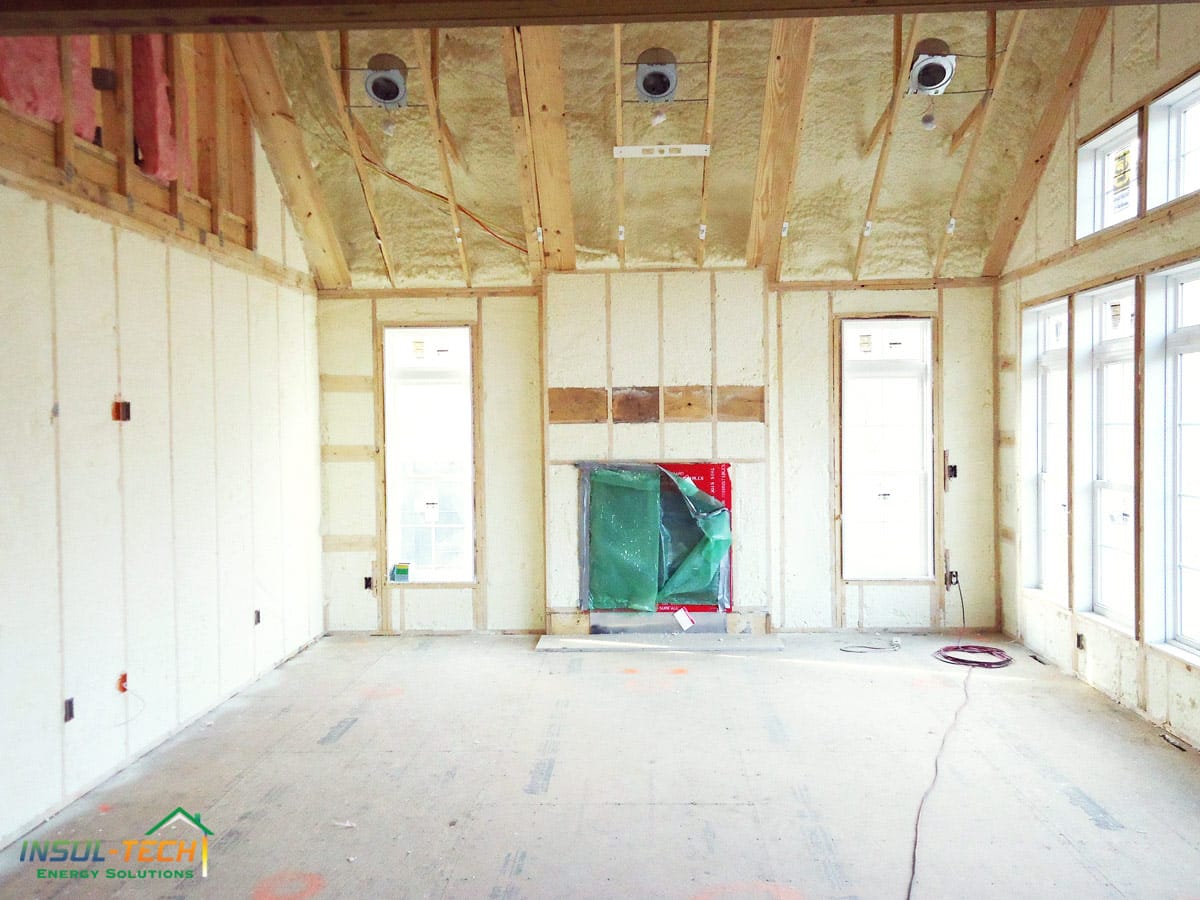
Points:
[849,89]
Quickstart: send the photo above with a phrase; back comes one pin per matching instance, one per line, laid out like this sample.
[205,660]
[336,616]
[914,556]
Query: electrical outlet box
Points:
[951,578]
[68,709]
[368,583]
[258,617]
[1080,643]
[120,411]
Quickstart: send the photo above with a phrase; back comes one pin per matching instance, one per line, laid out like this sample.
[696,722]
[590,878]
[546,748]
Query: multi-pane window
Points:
[1108,178]
[1114,473]
[1044,456]
[1183,482]
[887,449]
[1174,144]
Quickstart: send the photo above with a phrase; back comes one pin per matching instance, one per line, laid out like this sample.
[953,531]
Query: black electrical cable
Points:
[937,764]
[977,656]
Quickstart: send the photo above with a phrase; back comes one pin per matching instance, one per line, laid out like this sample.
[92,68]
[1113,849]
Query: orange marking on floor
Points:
[289,886]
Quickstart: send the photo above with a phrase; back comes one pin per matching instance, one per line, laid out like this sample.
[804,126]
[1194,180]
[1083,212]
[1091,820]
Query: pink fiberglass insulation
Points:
[165,155]
[31,84]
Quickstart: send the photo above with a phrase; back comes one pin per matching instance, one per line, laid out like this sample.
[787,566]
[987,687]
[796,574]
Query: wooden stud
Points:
[283,142]
[618,94]
[479,587]
[714,36]
[177,90]
[110,110]
[340,103]
[886,148]
[383,592]
[937,612]
[877,130]
[1143,172]
[435,119]
[123,63]
[1015,204]
[241,189]
[998,592]
[986,105]
[779,140]
[64,131]
[212,105]
[541,53]
[519,117]
[991,45]
[435,68]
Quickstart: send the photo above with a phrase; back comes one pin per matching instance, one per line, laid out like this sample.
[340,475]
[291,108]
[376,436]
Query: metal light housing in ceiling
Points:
[386,81]
[932,67]
[657,75]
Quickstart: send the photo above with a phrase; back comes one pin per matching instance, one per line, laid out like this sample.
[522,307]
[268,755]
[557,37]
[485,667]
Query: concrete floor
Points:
[474,767]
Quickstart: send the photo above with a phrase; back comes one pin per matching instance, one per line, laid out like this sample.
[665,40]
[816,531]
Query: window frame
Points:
[1090,157]
[1164,142]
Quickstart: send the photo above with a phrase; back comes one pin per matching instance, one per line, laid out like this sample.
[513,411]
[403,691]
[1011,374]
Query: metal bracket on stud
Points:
[867,229]
[703,232]
[783,232]
[620,232]
[951,225]
[539,234]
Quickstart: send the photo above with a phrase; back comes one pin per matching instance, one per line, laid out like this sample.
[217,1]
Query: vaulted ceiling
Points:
[798,114]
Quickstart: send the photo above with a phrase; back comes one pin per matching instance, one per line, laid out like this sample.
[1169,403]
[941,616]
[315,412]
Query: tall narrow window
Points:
[887,449]
[1108,173]
[1044,453]
[1183,380]
[430,452]
[1112,440]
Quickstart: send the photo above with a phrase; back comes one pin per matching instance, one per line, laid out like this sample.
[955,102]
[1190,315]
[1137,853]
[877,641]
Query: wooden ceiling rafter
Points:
[523,149]
[341,102]
[961,132]
[987,105]
[1015,205]
[779,141]
[540,50]
[886,145]
[283,142]
[425,57]
[897,49]
[714,37]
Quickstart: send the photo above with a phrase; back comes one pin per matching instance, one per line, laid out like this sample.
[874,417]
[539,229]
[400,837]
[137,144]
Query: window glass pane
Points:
[1115,431]
[1116,317]
[886,449]
[1189,604]
[1114,555]
[1054,331]
[430,469]
[1189,149]
[1119,184]
[1189,303]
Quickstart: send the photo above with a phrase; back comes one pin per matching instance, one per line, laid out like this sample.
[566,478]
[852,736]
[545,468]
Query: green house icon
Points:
[180,813]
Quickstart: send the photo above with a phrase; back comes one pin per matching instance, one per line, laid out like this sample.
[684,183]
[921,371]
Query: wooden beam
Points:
[95,16]
[886,148]
[961,132]
[897,66]
[519,118]
[968,123]
[344,62]
[714,35]
[283,142]
[987,105]
[64,131]
[541,49]
[425,57]
[619,99]
[213,121]
[779,141]
[177,91]
[341,102]
[1015,205]
[435,70]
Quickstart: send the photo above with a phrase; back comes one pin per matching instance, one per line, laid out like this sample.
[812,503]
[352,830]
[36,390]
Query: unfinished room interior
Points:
[647,449]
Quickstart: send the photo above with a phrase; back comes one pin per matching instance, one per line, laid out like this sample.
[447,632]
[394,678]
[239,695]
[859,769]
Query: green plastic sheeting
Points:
[623,539]
[698,570]
[653,541]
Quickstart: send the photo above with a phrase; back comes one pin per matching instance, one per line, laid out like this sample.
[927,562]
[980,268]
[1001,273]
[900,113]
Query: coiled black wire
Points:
[977,656]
